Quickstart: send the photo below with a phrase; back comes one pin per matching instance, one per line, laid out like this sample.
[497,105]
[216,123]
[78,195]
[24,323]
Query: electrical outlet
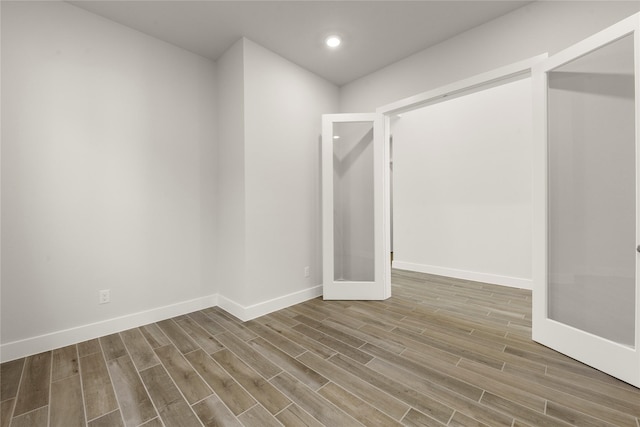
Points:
[104,296]
[307,272]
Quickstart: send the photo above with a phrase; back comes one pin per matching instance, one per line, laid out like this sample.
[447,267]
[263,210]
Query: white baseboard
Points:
[249,312]
[16,349]
[26,347]
[512,282]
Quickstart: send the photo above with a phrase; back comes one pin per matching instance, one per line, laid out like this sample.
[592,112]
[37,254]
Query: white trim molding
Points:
[16,349]
[494,279]
[249,312]
[498,76]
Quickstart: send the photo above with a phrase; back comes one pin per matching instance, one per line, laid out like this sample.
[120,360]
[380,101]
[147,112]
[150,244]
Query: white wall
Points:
[116,175]
[462,186]
[283,108]
[108,175]
[231,173]
[539,27]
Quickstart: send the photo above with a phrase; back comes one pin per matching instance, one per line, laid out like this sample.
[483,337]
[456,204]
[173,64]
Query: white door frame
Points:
[613,358]
[380,287]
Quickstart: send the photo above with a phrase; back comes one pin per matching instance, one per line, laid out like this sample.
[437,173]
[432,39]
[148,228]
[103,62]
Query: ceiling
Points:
[375,33]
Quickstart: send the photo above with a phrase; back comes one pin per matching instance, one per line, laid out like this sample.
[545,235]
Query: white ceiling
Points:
[375,33]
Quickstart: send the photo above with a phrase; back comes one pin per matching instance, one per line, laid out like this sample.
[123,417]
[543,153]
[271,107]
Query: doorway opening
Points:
[459,178]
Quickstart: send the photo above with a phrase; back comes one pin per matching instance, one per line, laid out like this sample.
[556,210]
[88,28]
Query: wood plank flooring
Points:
[440,352]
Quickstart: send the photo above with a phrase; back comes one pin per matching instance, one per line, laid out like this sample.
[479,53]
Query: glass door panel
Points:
[592,192]
[353,218]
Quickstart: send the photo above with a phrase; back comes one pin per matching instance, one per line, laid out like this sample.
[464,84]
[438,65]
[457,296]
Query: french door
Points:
[586,228]
[355,262]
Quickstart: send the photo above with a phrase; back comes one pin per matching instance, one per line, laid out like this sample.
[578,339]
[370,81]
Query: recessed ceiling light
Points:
[333,41]
[336,137]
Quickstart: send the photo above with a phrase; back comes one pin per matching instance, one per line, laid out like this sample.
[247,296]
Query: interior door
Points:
[586,234]
[355,262]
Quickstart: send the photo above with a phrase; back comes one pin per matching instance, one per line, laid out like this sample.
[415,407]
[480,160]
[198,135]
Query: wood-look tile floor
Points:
[439,352]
